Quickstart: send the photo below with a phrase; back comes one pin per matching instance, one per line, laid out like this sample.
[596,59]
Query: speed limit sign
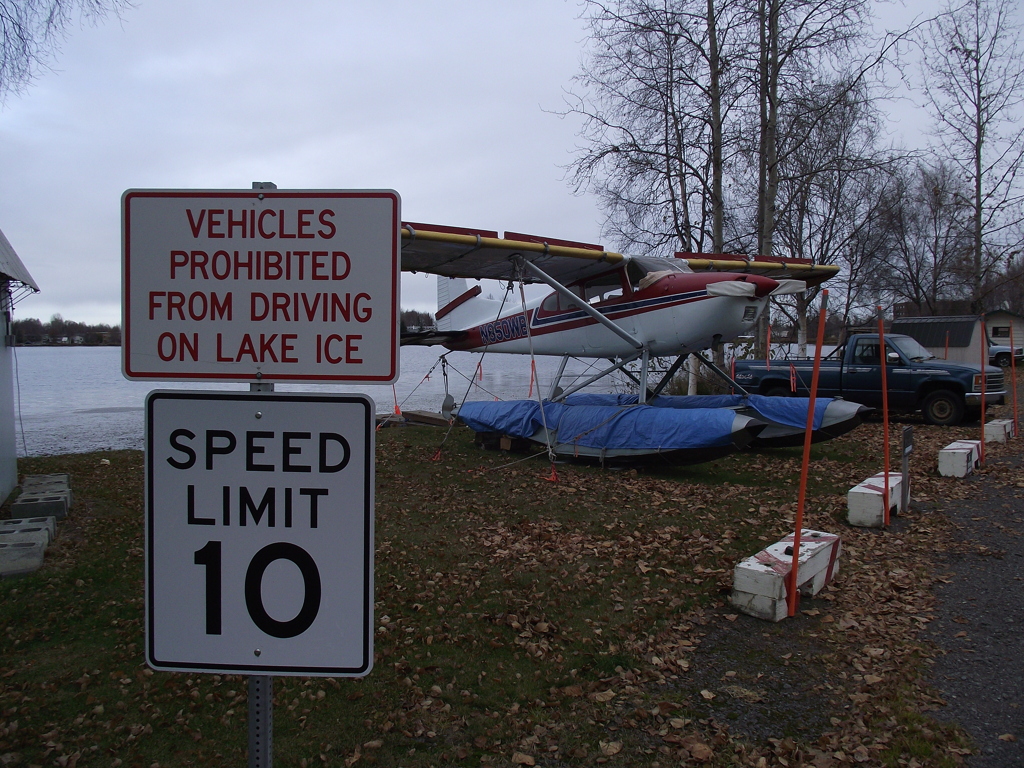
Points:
[259,533]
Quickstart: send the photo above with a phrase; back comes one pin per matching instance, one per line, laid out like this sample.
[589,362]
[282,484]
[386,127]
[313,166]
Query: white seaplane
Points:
[603,305]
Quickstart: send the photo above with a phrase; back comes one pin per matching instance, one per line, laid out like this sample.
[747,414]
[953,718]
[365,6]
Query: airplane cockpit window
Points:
[555,303]
[603,288]
[644,271]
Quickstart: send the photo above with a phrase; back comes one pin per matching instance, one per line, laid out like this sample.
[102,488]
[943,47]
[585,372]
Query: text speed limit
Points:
[259,532]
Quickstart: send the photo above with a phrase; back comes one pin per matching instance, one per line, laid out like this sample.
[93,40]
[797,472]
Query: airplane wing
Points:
[458,252]
[482,254]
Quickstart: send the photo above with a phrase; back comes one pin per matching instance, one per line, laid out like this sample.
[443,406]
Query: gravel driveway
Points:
[980,615]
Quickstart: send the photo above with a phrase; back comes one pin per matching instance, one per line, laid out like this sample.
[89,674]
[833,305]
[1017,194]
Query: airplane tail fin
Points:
[458,305]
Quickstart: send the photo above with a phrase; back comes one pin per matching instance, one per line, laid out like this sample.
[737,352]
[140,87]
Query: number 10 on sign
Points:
[259,533]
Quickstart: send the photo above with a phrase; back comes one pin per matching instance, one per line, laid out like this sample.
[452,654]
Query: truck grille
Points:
[993,382]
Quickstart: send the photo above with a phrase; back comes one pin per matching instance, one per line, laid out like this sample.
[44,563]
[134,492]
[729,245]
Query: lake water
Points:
[74,399]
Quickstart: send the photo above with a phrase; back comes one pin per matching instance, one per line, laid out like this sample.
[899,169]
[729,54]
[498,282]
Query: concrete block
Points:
[864,502]
[34,533]
[49,523]
[960,458]
[56,504]
[759,582]
[59,481]
[998,430]
[20,558]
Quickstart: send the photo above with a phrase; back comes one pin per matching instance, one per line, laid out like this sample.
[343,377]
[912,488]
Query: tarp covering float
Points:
[610,431]
[614,425]
[786,417]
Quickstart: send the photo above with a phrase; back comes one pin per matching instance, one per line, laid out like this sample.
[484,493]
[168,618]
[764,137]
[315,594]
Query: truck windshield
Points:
[911,348]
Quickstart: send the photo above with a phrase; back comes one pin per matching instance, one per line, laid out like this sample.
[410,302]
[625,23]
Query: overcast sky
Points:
[444,102]
[448,102]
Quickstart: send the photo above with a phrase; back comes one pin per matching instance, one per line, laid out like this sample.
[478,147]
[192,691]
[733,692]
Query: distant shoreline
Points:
[69,346]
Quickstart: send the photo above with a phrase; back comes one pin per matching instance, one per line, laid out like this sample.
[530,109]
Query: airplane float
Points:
[623,309]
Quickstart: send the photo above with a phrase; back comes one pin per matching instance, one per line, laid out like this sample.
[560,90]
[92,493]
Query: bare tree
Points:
[929,235]
[972,74]
[829,192]
[659,86]
[32,31]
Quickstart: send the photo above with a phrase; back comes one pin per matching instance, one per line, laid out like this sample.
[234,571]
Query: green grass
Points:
[513,615]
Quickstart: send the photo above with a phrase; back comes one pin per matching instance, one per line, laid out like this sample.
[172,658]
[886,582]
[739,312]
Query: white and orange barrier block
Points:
[999,430]
[960,458]
[865,503]
[760,582]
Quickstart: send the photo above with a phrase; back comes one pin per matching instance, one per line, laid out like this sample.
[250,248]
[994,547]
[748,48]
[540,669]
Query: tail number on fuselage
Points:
[507,329]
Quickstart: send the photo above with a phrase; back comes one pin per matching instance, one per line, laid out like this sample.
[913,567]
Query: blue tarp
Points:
[790,411]
[609,426]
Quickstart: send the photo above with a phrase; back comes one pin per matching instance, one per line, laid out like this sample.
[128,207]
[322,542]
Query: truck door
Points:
[901,379]
[862,377]
[862,374]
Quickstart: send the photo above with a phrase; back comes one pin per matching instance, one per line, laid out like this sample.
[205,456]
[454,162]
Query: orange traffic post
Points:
[1013,381]
[792,594]
[885,418]
[984,366]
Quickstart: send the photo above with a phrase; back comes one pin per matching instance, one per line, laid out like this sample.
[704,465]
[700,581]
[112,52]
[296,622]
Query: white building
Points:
[15,284]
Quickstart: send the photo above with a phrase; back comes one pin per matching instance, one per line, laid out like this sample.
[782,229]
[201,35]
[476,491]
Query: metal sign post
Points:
[261,694]
[261,721]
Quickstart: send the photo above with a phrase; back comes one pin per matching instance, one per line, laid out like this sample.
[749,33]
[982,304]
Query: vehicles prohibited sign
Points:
[261,285]
[259,533]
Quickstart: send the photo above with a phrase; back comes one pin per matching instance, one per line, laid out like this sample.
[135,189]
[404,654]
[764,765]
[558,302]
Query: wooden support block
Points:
[759,582]
[960,458]
[998,430]
[864,502]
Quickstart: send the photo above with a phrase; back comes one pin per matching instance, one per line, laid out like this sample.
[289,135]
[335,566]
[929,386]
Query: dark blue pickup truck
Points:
[917,381]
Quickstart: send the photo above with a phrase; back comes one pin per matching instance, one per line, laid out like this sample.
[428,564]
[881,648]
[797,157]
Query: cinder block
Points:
[759,582]
[31,533]
[960,458]
[58,481]
[49,523]
[56,504]
[20,558]
[998,430]
[865,506]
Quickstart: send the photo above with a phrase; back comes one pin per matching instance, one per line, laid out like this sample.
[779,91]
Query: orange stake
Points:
[792,595]
[398,411]
[1013,381]
[885,418]
[984,365]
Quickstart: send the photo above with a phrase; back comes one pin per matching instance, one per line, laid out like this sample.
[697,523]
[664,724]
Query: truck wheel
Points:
[778,392]
[1003,359]
[944,408]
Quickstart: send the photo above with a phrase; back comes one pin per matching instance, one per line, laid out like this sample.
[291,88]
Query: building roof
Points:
[931,331]
[12,270]
[11,267]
